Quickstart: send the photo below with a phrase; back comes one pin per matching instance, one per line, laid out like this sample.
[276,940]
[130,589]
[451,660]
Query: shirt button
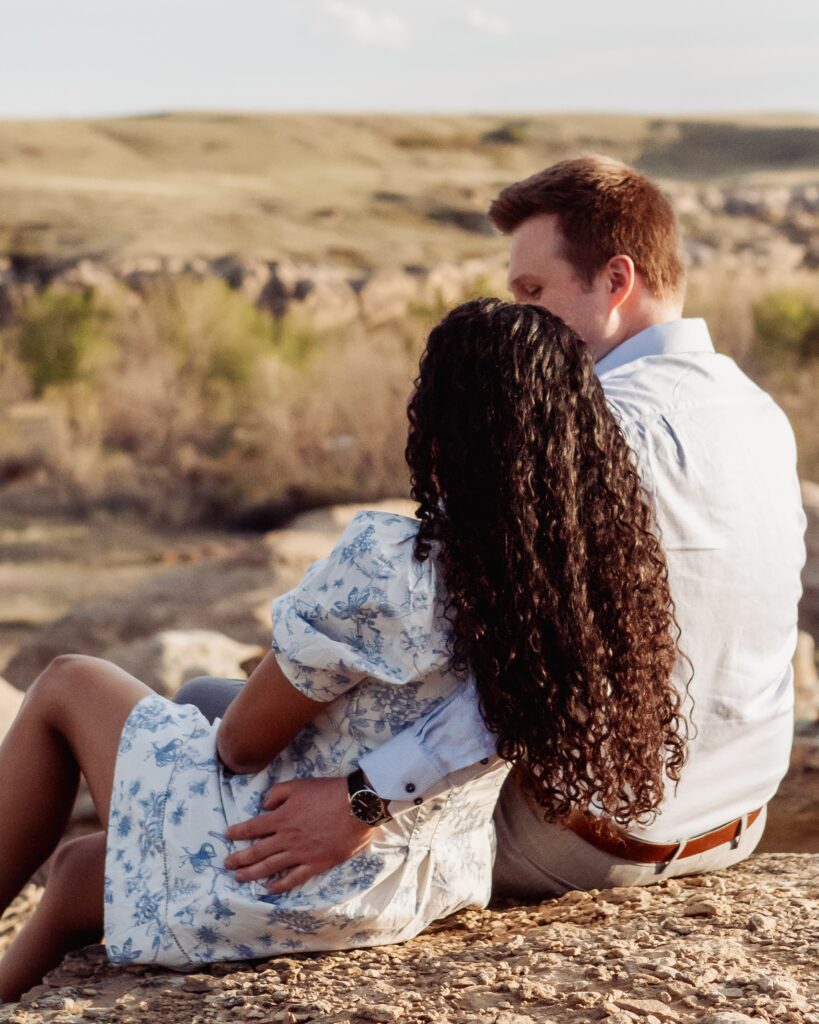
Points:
[484,760]
[417,801]
[410,787]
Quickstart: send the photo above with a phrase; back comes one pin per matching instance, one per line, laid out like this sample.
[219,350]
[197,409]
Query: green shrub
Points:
[216,334]
[295,340]
[59,337]
[786,326]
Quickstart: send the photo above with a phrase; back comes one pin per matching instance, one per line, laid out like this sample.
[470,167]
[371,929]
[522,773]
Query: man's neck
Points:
[640,321]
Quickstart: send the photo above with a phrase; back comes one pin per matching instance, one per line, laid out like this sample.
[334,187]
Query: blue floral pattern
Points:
[365,632]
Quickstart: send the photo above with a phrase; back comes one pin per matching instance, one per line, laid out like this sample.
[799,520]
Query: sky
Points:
[80,58]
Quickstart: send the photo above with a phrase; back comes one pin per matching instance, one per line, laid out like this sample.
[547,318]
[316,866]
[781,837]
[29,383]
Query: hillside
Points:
[359,191]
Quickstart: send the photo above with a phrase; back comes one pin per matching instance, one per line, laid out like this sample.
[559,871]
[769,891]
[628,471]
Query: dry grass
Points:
[208,410]
[359,190]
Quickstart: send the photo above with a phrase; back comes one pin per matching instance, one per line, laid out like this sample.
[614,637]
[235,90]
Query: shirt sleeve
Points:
[340,626]
[416,762]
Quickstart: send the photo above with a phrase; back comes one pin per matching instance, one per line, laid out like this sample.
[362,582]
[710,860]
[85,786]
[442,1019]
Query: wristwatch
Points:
[365,803]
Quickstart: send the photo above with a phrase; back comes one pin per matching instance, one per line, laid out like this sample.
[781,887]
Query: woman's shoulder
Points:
[376,548]
[390,526]
[377,527]
[369,610]
[373,538]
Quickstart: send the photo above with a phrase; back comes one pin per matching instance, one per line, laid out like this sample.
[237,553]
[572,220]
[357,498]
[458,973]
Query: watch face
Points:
[367,806]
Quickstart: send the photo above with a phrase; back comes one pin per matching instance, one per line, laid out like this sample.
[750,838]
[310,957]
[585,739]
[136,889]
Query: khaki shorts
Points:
[537,859]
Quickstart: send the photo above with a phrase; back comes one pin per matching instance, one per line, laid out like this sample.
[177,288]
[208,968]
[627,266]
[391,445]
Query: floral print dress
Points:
[365,632]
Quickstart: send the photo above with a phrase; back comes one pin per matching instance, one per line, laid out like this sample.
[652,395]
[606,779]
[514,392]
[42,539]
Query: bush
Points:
[216,333]
[786,326]
[60,336]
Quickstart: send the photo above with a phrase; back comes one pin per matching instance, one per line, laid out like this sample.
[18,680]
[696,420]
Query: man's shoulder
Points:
[656,385]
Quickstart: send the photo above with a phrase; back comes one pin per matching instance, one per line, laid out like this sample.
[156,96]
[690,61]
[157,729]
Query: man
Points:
[596,243]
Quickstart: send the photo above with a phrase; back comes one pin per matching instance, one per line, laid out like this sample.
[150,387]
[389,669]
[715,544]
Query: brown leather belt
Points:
[606,836]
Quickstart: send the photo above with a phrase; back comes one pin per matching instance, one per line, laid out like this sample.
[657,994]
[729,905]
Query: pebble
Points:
[702,908]
[383,1013]
[732,1017]
[199,983]
[646,1007]
[762,923]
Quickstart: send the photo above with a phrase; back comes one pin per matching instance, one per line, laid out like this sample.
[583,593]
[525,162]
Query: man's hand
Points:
[306,828]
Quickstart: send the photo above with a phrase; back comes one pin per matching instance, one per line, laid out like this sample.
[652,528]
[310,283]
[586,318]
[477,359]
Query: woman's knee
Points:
[62,672]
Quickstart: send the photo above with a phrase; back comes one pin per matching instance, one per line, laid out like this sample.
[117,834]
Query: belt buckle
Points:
[663,865]
[742,825]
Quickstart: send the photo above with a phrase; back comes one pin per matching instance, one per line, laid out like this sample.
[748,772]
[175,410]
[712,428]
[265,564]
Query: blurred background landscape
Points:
[214,318]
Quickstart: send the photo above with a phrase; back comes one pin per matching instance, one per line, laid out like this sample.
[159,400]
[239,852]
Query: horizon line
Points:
[239,112]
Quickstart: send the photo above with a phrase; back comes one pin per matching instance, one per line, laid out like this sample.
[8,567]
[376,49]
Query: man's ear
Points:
[620,278]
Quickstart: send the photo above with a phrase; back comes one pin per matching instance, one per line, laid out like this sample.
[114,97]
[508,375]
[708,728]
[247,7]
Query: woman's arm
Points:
[263,719]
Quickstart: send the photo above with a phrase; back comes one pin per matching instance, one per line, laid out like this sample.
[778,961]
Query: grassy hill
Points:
[357,190]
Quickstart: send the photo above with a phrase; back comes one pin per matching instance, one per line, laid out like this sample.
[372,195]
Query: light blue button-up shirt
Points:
[718,457]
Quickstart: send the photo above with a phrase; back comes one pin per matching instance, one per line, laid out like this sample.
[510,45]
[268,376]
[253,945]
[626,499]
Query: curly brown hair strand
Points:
[557,584]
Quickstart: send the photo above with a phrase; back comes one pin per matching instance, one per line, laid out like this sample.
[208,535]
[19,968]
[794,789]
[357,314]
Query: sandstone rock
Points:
[230,594]
[806,678]
[10,701]
[326,306]
[703,908]
[138,273]
[335,518]
[244,274]
[732,1017]
[386,296]
[806,198]
[312,535]
[89,274]
[444,285]
[227,590]
[646,1007]
[167,659]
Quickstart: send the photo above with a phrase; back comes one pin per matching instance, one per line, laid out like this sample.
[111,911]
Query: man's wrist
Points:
[365,804]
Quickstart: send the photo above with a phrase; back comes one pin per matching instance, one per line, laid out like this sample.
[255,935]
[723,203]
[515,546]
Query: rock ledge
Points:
[727,948]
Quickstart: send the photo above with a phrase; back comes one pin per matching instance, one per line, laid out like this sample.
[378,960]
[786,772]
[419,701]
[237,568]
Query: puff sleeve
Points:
[368,610]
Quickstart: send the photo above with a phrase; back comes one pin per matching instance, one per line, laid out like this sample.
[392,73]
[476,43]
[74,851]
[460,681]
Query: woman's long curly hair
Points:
[557,587]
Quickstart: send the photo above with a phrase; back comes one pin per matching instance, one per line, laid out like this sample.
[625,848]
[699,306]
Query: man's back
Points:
[718,458]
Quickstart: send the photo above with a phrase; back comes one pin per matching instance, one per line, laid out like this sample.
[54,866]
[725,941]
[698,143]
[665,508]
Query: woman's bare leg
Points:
[69,916]
[70,721]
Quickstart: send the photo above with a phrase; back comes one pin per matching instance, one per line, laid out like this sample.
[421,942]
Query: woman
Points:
[531,576]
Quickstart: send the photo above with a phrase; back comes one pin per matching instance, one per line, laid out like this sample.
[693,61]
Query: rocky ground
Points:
[737,946]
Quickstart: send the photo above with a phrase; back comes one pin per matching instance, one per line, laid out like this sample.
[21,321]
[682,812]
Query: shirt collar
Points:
[686,335]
